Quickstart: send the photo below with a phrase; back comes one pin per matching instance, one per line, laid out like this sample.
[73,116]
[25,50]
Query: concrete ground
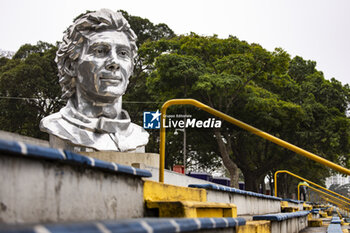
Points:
[326,221]
[321,229]
[314,229]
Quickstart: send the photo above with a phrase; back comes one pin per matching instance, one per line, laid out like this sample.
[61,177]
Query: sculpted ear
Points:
[70,69]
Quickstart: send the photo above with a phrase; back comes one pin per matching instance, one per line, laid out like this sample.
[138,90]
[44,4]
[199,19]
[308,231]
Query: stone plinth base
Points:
[138,160]
[58,143]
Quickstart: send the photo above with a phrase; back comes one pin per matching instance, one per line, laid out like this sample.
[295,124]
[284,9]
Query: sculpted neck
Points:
[94,106]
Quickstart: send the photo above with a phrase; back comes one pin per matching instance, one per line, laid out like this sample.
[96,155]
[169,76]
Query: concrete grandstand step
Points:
[295,205]
[286,222]
[43,184]
[176,201]
[261,226]
[315,222]
[248,203]
[146,225]
[334,228]
[155,191]
[193,209]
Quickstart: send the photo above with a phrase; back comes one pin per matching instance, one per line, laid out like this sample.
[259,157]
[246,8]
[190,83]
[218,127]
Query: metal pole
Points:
[184,150]
[242,125]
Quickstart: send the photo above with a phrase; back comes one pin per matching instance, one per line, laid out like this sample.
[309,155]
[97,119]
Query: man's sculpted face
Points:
[105,66]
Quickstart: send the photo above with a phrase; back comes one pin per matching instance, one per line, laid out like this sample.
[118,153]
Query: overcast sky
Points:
[317,30]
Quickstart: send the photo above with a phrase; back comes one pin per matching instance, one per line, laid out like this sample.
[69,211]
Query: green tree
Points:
[29,89]
[265,89]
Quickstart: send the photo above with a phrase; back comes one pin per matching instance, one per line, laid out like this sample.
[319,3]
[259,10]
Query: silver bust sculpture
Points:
[95,61]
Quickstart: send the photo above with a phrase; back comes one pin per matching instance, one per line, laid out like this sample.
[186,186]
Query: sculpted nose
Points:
[113,62]
[112,66]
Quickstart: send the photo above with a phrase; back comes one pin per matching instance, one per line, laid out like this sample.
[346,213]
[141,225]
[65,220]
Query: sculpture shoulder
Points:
[136,137]
[55,125]
[138,129]
[50,124]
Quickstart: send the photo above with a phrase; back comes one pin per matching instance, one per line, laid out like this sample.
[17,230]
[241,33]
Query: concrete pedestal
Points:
[138,160]
[58,143]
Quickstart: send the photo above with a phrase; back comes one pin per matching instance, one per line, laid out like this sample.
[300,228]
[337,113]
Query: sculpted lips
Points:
[111,79]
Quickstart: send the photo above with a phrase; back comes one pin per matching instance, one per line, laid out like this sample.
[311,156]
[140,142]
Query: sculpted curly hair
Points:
[75,37]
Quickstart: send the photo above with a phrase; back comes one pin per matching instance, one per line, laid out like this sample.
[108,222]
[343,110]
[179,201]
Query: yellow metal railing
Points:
[327,194]
[240,124]
[323,195]
[310,182]
[341,206]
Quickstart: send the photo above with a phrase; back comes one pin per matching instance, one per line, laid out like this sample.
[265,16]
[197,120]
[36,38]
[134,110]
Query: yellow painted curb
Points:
[315,223]
[192,209]
[289,209]
[155,191]
[307,206]
[261,226]
[284,203]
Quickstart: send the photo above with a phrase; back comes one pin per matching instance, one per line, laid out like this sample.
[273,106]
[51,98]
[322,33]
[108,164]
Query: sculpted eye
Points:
[100,51]
[124,53]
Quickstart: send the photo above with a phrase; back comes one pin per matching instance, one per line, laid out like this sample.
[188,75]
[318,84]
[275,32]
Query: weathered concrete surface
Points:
[155,191]
[203,225]
[314,230]
[296,205]
[174,178]
[41,191]
[292,225]
[20,138]
[259,226]
[246,205]
[138,160]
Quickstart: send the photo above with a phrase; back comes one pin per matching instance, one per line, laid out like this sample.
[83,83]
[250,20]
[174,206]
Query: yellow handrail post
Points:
[299,191]
[162,146]
[275,181]
[242,125]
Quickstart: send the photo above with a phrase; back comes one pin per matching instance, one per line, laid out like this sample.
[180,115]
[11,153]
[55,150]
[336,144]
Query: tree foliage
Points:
[284,96]
[29,89]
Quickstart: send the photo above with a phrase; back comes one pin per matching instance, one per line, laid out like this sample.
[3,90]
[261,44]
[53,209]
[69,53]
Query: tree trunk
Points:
[251,181]
[228,163]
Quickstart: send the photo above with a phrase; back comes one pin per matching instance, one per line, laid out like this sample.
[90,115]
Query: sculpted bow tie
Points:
[98,125]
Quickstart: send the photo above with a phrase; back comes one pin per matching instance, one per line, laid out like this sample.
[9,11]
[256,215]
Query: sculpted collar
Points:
[98,125]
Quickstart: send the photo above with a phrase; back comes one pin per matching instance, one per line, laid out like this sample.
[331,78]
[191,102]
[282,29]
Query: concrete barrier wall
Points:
[291,222]
[247,206]
[20,138]
[139,160]
[34,190]
[174,178]
[293,225]
[159,225]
